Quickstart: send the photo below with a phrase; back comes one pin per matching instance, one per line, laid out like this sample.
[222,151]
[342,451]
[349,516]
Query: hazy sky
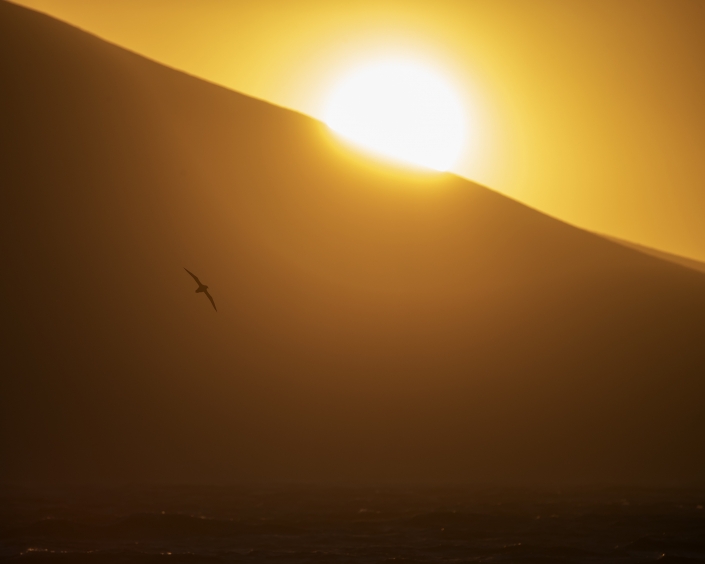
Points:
[590,110]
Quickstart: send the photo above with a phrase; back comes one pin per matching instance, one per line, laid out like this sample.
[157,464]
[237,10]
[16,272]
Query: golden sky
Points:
[589,110]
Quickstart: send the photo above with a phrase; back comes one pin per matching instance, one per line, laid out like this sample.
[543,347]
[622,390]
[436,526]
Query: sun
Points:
[402,110]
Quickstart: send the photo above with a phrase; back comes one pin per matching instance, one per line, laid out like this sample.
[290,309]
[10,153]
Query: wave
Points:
[143,526]
[211,525]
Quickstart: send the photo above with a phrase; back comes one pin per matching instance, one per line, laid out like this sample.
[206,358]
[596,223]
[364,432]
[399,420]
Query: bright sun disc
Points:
[401,110]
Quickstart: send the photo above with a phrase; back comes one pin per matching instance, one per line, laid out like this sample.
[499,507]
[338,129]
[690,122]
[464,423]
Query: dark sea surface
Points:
[351,524]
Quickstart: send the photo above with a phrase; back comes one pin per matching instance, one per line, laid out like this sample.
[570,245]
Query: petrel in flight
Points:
[202,288]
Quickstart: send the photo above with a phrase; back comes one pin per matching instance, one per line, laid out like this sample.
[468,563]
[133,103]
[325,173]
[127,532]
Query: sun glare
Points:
[402,110]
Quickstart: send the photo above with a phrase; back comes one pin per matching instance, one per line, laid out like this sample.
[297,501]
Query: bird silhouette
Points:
[202,288]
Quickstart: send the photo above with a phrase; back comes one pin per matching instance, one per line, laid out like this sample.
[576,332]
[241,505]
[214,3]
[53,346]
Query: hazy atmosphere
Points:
[352,282]
[374,323]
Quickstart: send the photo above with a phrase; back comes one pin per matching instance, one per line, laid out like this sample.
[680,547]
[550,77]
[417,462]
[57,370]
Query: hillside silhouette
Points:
[374,323]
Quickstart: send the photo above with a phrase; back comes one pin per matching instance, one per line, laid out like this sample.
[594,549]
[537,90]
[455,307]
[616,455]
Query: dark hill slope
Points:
[373,323]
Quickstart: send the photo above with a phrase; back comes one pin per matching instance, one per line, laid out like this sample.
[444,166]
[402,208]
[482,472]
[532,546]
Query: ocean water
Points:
[351,524]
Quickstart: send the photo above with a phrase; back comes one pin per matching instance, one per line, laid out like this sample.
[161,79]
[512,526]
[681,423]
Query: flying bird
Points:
[202,288]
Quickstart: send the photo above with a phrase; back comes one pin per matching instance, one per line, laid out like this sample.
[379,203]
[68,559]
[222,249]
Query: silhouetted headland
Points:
[377,325]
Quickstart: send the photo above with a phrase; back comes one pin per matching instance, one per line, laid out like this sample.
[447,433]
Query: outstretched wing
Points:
[211,299]
[194,276]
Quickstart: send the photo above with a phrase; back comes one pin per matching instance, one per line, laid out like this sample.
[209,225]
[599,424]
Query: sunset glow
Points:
[401,110]
[353,281]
